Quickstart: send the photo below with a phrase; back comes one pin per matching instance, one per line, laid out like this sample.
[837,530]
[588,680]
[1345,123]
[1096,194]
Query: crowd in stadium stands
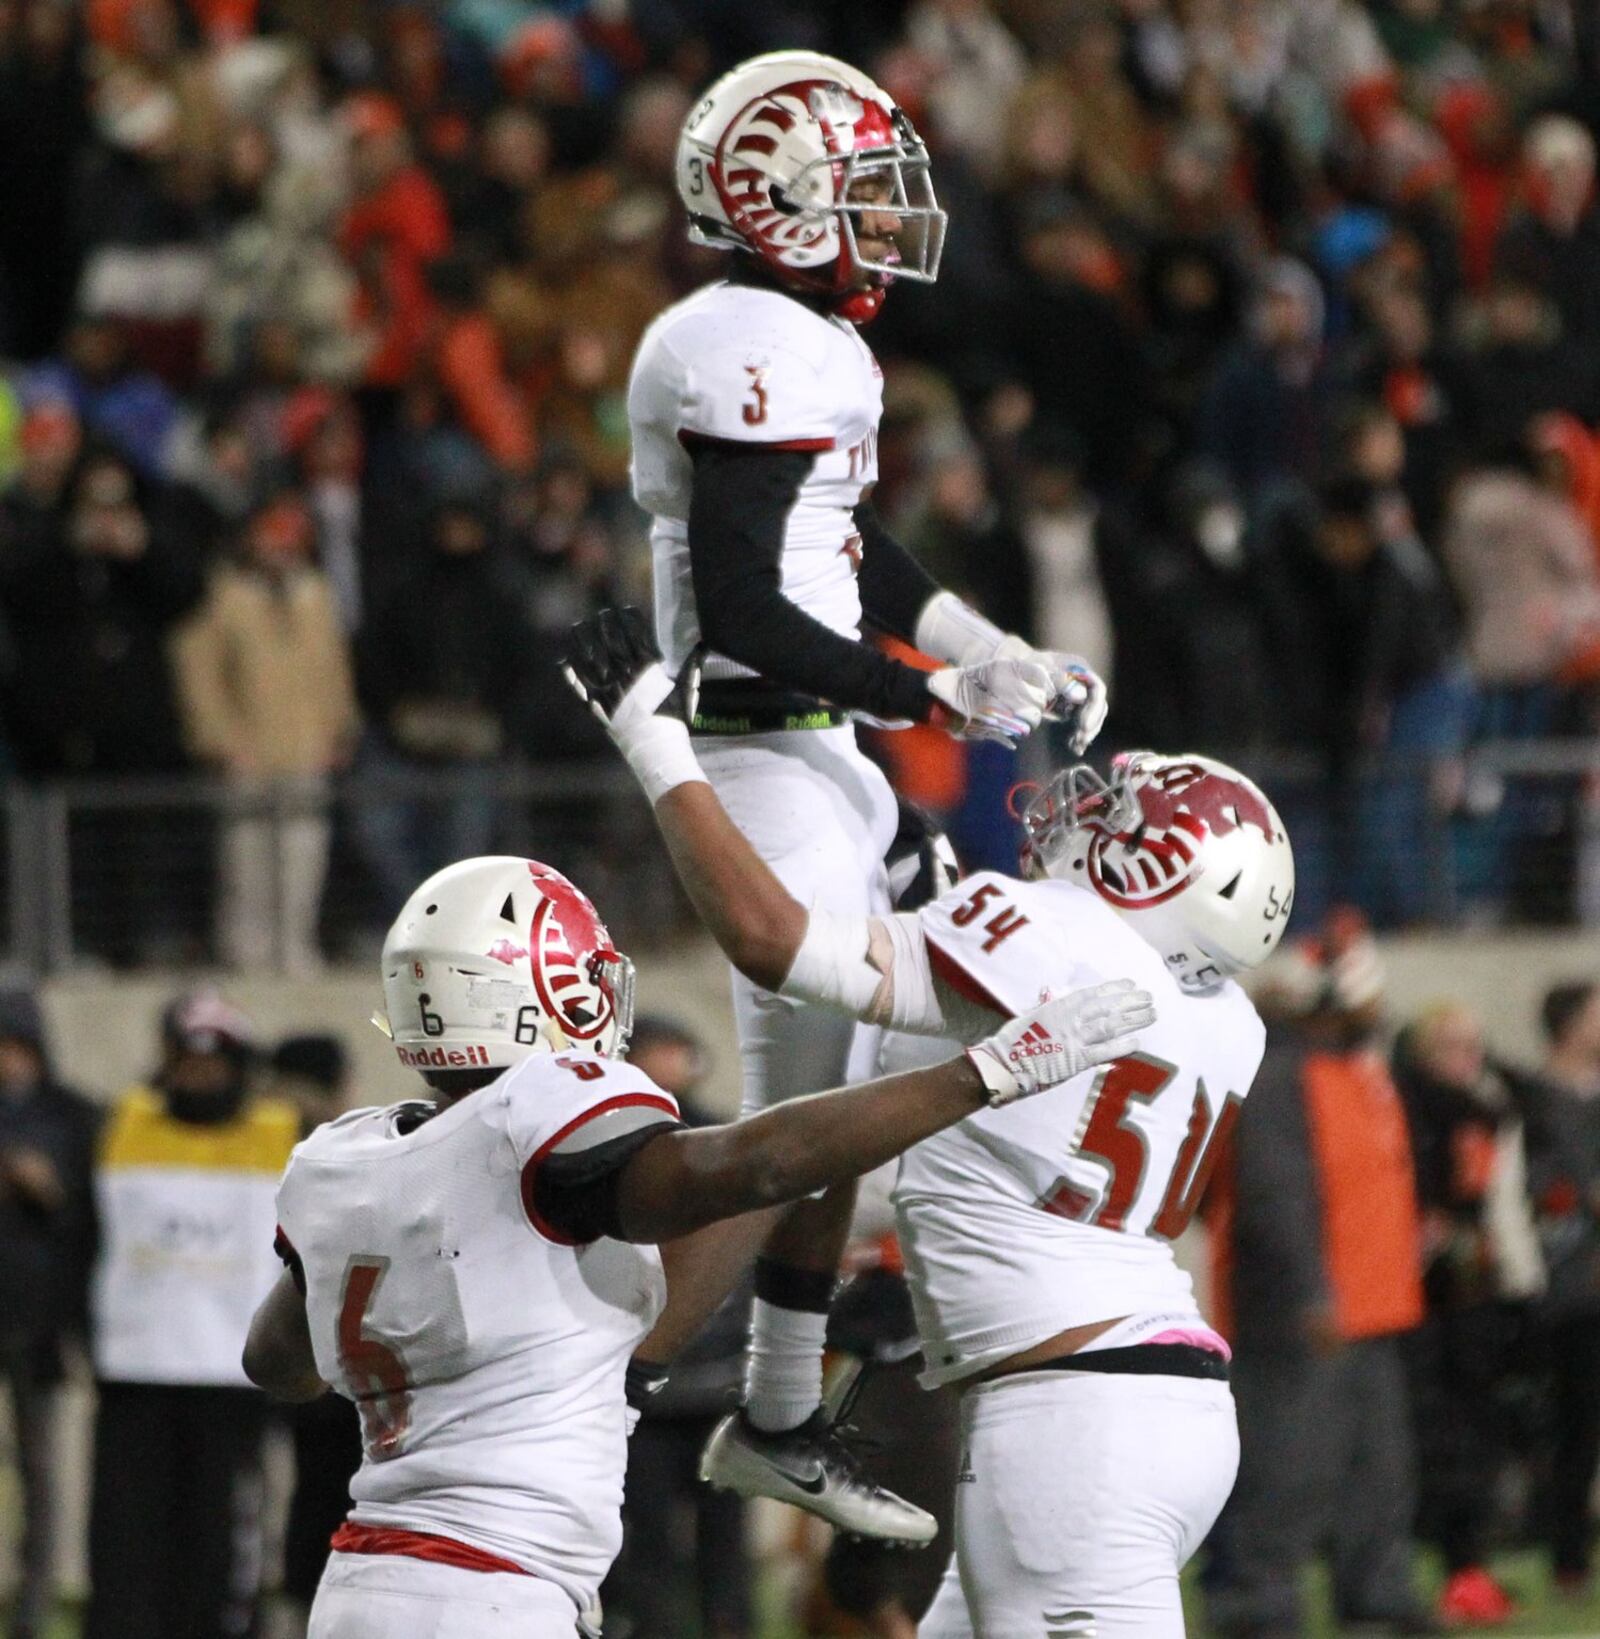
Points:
[1263,370]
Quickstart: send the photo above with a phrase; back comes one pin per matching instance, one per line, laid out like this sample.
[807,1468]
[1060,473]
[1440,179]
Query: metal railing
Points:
[136,871]
[147,871]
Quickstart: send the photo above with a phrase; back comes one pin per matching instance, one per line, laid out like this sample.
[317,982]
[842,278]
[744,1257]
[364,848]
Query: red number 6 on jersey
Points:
[374,1373]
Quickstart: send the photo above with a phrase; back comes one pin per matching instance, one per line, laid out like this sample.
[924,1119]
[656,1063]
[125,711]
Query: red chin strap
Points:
[861,306]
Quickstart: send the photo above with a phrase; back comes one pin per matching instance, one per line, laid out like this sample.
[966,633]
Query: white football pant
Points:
[392,1596]
[1082,1495]
[822,816]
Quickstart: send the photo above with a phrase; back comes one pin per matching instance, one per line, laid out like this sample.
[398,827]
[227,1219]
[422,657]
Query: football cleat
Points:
[811,1467]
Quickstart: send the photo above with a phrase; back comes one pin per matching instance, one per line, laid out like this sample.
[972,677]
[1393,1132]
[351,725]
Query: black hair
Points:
[1562,1004]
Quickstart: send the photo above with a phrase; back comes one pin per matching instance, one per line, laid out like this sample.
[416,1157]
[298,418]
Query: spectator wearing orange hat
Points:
[396,225]
[267,697]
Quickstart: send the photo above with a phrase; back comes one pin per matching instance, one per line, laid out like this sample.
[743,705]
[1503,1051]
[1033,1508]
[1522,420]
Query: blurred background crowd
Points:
[1263,371]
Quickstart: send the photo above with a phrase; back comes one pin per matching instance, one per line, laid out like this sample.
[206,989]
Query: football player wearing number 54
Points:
[1098,1427]
[476,1269]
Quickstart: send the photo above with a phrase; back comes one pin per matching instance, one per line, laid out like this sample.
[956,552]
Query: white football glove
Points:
[1059,1039]
[999,700]
[1078,693]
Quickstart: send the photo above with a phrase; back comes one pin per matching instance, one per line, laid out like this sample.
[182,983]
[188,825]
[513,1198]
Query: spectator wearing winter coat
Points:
[1191,658]
[47,1241]
[1316,1303]
[1524,567]
[395,226]
[1564,1172]
[1523,562]
[444,667]
[116,401]
[1556,238]
[268,699]
[1264,414]
[1481,1266]
[1361,656]
[93,602]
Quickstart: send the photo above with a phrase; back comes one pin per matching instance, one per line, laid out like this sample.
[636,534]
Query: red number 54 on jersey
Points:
[1119,1145]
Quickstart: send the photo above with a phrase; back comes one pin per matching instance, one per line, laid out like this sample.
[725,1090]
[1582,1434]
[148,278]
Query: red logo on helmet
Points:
[507,951]
[567,937]
[1180,805]
[781,229]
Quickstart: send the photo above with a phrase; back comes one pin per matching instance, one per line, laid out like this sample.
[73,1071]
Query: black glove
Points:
[611,655]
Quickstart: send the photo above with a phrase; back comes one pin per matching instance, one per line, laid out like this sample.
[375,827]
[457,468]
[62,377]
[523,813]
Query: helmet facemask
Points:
[615,976]
[919,238]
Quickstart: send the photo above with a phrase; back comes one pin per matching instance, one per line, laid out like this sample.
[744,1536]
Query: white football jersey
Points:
[1060,1211]
[744,365]
[485,1353]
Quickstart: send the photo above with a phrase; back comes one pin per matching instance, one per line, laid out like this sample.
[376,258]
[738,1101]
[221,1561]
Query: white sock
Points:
[783,1370]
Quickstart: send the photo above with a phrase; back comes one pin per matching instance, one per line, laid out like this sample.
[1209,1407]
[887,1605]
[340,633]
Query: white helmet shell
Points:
[1187,850]
[493,959]
[769,158]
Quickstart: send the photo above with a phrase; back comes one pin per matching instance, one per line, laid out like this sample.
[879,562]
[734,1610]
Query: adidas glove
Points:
[1059,1039]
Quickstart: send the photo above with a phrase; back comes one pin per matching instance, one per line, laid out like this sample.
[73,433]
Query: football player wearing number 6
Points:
[475,1270]
[1099,1434]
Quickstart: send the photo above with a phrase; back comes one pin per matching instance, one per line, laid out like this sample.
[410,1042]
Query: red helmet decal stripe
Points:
[567,933]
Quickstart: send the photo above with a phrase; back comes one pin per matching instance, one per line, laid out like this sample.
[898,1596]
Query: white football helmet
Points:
[770,157]
[1189,851]
[496,958]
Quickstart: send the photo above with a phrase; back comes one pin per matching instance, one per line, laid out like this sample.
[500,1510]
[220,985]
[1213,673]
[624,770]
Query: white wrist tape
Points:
[832,966]
[952,630]
[875,969]
[659,753]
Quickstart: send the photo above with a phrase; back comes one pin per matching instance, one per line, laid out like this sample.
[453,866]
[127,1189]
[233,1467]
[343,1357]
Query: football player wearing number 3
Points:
[1098,1428]
[475,1270]
[753,409]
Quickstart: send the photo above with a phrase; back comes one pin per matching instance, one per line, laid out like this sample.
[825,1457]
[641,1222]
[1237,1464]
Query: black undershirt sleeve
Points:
[895,588]
[577,1194]
[738,508]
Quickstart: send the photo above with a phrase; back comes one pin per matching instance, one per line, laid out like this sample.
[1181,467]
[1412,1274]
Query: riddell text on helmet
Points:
[443,1058]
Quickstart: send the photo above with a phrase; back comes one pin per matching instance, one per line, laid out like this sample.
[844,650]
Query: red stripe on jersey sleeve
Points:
[691,439]
[657,1101]
[946,967]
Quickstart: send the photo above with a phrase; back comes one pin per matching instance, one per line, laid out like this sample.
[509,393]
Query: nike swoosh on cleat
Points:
[812,1486]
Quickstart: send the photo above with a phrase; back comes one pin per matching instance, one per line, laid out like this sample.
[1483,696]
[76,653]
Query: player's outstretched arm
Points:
[615,666]
[277,1353]
[688,1178]
[871,968]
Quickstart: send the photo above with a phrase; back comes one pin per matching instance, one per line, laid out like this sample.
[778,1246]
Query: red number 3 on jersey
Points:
[755,407]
